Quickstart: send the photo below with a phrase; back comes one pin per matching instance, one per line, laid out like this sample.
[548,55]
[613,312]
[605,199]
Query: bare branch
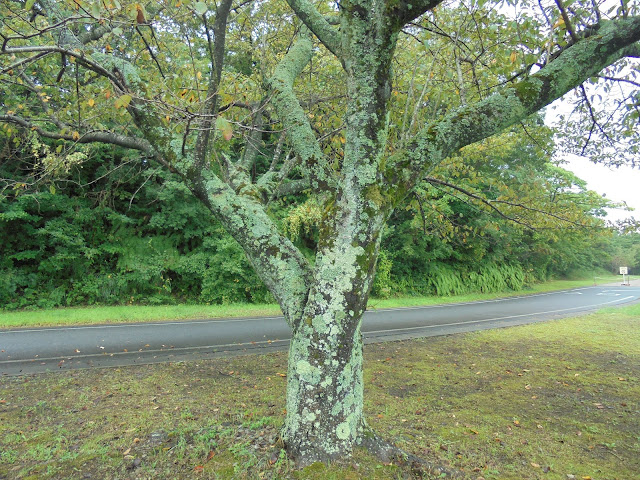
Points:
[211,103]
[88,137]
[490,204]
[79,55]
[567,21]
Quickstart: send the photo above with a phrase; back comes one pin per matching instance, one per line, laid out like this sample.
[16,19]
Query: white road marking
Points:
[502,318]
[271,342]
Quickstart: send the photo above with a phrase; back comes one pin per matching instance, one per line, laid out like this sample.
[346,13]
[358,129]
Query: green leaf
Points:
[201,8]
[123,101]
[52,189]
[29,4]
[225,128]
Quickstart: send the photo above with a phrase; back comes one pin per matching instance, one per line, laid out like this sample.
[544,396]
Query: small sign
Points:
[624,271]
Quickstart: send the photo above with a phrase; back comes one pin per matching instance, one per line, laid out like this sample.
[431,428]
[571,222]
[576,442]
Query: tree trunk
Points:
[324,418]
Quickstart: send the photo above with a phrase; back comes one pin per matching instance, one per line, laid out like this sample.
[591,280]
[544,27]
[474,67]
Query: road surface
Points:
[35,350]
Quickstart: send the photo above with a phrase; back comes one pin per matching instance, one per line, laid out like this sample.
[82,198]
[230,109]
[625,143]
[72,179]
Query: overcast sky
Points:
[619,184]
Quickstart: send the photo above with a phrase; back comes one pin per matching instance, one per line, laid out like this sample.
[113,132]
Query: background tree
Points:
[151,78]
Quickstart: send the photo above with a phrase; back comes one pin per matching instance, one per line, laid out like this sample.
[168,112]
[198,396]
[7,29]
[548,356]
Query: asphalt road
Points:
[36,350]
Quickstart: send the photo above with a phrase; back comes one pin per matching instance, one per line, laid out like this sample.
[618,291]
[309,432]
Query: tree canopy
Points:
[355,104]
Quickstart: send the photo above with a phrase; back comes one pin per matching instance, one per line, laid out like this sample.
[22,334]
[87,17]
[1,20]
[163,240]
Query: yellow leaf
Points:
[513,57]
[199,75]
[91,102]
[559,23]
[75,135]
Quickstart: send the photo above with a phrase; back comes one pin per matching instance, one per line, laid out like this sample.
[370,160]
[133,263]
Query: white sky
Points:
[618,184]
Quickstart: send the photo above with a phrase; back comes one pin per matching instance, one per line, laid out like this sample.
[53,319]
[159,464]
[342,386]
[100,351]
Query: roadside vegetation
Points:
[157,313]
[554,400]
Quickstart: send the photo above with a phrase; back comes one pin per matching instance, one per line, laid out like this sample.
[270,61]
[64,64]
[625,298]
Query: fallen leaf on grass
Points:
[535,465]
[198,468]
[211,455]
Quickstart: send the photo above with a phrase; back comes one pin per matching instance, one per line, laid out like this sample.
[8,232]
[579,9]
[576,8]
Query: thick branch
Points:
[280,265]
[403,12]
[211,104]
[318,24]
[296,123]
[513,103]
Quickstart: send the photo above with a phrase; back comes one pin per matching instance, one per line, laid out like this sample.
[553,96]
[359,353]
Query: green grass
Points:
[130,313]
[540,401]
[137,313]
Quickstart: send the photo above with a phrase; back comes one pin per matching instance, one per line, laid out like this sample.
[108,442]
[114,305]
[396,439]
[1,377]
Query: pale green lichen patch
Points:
[307,372]
[343,431]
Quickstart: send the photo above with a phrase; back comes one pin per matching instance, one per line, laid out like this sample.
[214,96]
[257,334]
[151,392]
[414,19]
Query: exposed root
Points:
[387,452]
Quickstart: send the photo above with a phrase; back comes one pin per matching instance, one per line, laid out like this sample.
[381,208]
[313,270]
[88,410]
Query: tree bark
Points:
[324,389]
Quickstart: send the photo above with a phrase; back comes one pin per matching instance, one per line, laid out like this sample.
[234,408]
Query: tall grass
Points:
[445,280]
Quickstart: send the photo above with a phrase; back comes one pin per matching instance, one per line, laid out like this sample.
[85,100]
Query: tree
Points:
[153,79]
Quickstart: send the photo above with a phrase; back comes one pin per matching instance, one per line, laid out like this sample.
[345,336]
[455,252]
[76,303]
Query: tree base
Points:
[389,453]
[386,452]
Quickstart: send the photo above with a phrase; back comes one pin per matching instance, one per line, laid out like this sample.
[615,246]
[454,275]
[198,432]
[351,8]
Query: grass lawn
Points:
[542,401]
[137,313]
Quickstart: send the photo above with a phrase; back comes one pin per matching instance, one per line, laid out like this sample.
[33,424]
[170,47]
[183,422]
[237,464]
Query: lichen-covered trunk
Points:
[324,391]
[324,417]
